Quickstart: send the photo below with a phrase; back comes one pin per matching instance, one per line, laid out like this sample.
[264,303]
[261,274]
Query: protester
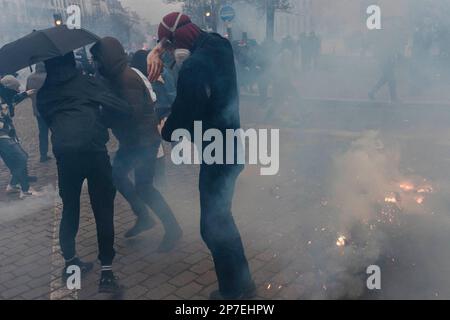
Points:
[306,51]
[11,151]
[35,81]
[207,91]
[139,143]
[14,157]
[316,45]
[78,110]
[10,92]
[388,64]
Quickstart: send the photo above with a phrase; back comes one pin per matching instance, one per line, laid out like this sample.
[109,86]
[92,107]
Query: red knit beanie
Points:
[185,32]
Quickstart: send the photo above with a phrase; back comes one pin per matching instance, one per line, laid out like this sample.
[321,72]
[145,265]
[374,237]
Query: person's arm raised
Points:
[155,64]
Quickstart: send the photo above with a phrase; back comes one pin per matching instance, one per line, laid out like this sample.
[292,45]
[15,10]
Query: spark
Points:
[426,189]
[390,199]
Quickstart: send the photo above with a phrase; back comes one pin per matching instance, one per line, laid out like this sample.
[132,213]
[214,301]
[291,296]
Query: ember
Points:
[390,199]
[407,186]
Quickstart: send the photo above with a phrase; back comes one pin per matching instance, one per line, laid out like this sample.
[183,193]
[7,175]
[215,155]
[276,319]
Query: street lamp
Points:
[57,18]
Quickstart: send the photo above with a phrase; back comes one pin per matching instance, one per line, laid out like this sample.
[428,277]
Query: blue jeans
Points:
[142,193]
[16,159]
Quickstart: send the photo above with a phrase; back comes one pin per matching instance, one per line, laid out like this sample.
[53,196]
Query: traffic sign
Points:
[227,13]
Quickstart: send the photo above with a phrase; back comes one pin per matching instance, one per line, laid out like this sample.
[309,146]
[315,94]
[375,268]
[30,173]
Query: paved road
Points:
[287,221]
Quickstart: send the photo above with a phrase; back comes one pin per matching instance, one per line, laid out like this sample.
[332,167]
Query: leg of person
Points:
[220,233]
[144,174]
[123,164]
[102,193]
[392,87]
[43,139]
[378,86]
[160,167]
[71,174]
[16,160]
[25,176]
[8,159]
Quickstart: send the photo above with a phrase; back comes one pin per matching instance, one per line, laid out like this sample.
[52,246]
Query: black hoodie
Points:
[128,85]
[77,108]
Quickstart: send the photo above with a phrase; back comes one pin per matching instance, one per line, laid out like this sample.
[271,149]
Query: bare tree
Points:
[197,9]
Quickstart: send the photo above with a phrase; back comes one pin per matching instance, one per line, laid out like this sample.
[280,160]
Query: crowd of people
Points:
[269,63]
[141,98]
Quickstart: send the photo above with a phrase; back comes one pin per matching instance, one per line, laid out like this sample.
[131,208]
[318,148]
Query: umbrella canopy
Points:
[42,45]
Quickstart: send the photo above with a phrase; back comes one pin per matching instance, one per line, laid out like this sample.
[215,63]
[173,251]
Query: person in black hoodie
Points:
[139,141]
[207,91]
[78,110]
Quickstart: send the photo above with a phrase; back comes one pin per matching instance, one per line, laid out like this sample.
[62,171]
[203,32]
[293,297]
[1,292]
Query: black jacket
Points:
[78,109]
[206,88]
[10,98]
[6,123]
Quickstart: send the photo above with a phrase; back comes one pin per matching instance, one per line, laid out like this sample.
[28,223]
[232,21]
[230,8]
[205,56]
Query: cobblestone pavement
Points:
[279,217]
[30,263]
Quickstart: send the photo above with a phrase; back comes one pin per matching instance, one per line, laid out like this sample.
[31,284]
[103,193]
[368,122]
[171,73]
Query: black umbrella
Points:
[42,45]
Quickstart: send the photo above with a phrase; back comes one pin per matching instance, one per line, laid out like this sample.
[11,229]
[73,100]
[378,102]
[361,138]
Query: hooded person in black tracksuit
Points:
[78,110]
[207,91]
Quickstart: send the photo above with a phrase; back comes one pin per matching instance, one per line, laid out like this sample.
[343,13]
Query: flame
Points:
[425,189]
[420,199]
[406,186]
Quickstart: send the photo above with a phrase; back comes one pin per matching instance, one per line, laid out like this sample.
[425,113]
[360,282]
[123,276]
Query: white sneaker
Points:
[13,188]
[30,193]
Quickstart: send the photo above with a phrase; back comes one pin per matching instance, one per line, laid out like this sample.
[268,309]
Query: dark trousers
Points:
[387,77]
[16,159]
[43,137]
[218,230]
[73,169]
[142,193]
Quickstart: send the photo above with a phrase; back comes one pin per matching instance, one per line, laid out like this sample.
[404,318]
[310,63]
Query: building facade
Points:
[20,17]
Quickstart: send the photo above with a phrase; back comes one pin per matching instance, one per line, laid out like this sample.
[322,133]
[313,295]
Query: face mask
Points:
[181,55]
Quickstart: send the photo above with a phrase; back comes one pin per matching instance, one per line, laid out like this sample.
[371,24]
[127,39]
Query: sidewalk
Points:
[286,221]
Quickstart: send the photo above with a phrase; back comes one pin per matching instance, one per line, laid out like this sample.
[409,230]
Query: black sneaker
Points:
[141,225]
[247,294]
[109,284]
[170,240]
[85,267]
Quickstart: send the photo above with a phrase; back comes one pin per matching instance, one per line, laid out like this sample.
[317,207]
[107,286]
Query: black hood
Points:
[111,55]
